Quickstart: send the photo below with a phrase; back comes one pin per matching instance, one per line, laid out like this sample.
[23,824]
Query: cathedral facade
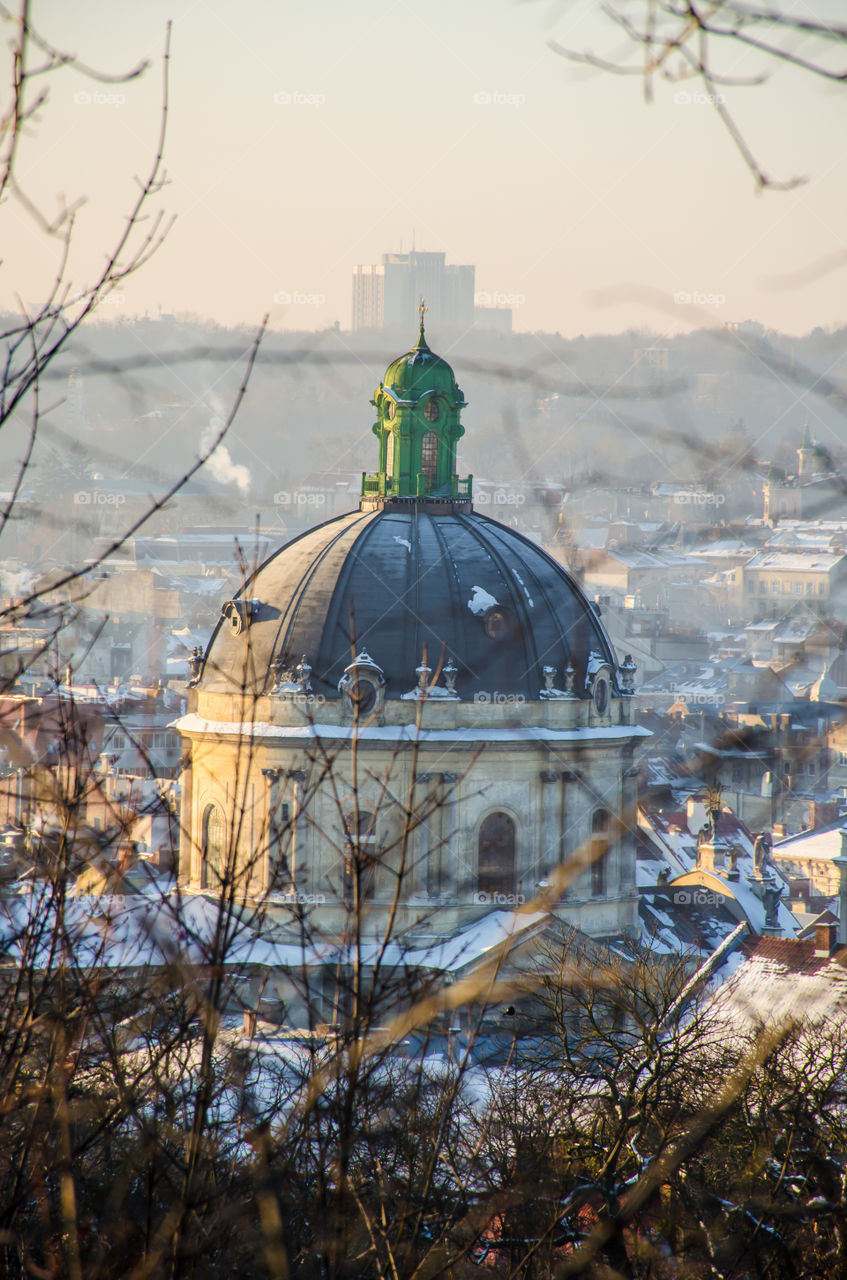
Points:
[411,713]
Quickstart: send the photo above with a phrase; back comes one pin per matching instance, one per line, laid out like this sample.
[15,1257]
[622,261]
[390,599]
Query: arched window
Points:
[429,457]
[389,454]
[360,856]
[214,847]
[496,861]
[599,852]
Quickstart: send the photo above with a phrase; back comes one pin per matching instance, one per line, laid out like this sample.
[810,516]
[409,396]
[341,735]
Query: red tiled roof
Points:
[795,955]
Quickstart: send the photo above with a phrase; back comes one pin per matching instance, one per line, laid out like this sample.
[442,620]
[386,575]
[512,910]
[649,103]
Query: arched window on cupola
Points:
[429,457]
[389,454]
[496,855]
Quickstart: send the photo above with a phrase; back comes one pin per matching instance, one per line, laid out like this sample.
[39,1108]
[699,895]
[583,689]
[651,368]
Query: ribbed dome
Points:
[393,580]
[420,371]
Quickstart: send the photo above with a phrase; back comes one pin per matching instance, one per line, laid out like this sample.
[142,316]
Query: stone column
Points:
[569,844]
[186,834]
[550,833]
[626,838]
[450,876]
[422,838]
[274,829]
[297,844]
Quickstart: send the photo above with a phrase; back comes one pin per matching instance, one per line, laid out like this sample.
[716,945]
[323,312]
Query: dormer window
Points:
[362,686]
[498,623]
[363,693]
[240,613]
[431,410]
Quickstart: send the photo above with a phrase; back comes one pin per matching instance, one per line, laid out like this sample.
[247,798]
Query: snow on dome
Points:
[481,601]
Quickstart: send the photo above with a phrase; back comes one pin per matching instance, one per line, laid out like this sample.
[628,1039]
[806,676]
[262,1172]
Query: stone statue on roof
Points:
[713,807]
[761,852]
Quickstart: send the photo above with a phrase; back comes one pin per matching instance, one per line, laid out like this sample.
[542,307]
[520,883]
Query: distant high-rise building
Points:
[388,296]
[368,296]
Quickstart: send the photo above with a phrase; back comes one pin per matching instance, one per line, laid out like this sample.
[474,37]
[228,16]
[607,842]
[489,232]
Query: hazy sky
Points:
[305,138]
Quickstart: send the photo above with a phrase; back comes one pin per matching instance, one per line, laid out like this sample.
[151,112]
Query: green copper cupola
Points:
[418,426]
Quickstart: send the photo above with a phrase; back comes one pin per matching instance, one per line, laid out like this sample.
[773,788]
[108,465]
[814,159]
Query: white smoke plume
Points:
[219,462]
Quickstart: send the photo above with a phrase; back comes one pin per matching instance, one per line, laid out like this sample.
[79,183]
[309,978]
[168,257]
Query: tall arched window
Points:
[429,457]
[599,852]
[214,847]
[360,856]
[496,861]
[389,454]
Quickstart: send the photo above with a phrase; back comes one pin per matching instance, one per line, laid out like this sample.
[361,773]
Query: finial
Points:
[422,310]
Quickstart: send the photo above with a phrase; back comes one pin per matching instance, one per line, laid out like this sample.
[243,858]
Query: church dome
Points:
[393,580]
[420,372]
[414,568]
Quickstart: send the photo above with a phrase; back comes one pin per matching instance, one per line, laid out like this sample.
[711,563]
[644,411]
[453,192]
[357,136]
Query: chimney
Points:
[822,813]
[826,938]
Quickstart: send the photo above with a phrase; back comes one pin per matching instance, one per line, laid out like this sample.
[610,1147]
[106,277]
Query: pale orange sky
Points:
[305,138]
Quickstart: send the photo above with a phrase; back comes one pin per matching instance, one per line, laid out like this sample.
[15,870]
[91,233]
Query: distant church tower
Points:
[808,459]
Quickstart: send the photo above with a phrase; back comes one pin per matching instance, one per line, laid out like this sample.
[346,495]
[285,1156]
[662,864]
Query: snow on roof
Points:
[687,678]
[638,559]
[193,723]
[783,980]
[824,843]
[723,547]
[676,921]
[111,931]
[819,534]
[796,561]
[497,929]
[481,601]
[592,539]
[668,836]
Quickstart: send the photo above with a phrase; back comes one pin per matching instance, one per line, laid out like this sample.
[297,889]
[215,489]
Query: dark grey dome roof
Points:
[393,580]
